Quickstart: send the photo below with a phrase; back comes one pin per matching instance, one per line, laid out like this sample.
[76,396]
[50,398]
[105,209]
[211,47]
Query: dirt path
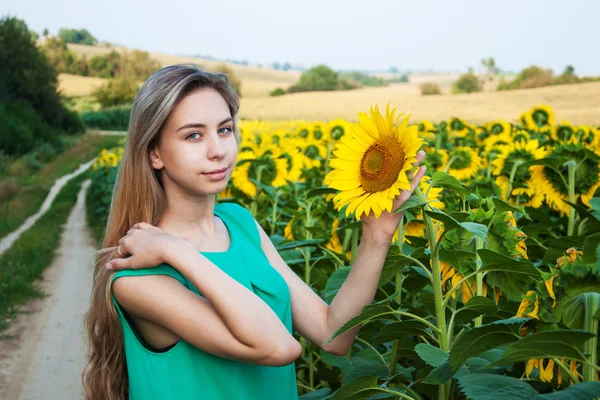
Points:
[44,354]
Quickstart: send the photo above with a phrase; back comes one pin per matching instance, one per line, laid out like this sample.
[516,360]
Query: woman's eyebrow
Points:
[199,125]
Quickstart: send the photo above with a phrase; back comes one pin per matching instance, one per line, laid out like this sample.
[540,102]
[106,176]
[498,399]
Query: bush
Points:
[277,92]
[531,77]
[110,119]
[363,79]
[136,65]
[467,83]
[319,78]
[116,91]
[428,88]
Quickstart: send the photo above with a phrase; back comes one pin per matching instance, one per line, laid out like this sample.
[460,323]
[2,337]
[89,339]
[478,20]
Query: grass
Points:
[29,187]
[24,262]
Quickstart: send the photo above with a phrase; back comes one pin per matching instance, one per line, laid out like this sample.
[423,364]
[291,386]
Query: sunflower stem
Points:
[590,348]
[447,168]
[571,168]
[479,276]
[513,172]
[437,289]
[274,214]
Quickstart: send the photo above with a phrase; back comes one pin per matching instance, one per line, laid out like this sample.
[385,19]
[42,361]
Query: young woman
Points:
[191,300]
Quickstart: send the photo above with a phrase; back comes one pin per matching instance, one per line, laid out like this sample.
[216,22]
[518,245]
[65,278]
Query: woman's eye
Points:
[192,134]
[225,129]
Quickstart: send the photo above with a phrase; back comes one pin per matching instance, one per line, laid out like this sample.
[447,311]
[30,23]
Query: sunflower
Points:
[563,132]
[416,227]
[371,163]
[520,135]
[526,194]
[539,118]
[458,127]
[434,158]
[554,182]
[495,142]
[239,176]
[335,244]
[427,130]
[337,128]
[499,128]
[462,162]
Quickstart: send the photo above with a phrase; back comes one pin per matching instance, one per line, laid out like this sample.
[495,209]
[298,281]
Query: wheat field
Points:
[255,81]
[579,104]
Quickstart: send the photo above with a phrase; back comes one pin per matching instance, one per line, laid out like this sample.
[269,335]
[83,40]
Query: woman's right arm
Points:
[230,322]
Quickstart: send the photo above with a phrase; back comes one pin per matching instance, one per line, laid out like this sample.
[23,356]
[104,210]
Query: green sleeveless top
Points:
[186,372]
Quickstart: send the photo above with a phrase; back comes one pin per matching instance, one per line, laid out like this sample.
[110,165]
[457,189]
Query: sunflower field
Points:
[491,288]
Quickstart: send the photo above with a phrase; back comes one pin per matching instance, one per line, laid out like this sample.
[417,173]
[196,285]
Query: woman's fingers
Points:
[119,263]
[420,155]
[417,178]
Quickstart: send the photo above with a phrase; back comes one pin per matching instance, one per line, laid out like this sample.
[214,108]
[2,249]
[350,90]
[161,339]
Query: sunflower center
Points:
[381,164]
[540,117]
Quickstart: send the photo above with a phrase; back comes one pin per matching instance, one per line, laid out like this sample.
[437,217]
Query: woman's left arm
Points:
[311,316]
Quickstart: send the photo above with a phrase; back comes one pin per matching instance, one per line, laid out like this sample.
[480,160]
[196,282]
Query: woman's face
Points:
[198,149]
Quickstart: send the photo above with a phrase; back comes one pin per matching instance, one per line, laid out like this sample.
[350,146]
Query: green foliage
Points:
[399,79]
[429,88]
[77,36]
[64,60]
[277,92]
[30,105]
[112,119]
[467,83]
[530,77]
[116,91]
[363,79]
[104,66]
[319,78]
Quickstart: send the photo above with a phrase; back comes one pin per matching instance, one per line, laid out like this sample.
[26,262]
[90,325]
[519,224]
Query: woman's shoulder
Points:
[161,269]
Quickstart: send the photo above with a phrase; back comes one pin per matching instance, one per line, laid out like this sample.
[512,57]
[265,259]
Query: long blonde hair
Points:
[138,196]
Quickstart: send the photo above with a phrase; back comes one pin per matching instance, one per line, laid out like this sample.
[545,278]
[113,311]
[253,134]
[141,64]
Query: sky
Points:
[443,35]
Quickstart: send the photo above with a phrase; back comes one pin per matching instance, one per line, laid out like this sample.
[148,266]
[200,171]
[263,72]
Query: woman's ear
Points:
[155,159]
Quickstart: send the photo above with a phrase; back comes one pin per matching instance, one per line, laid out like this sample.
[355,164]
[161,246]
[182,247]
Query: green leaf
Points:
[363,369]
[485,337]
[476,306]
[299,243]
[590,245]
[320,394]
[368,313]
[502,206]
[495,387]
[560,343]
[320,191]
[341,362]
[455,257]
[571,309]
[335,282]
[593,219]
[579,391]
[450,223]
[397,330]
[443,179]
[512,276]
[359,389]
[412,202]
[431,354]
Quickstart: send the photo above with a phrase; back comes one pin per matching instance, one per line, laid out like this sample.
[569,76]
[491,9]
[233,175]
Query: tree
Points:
[276,66]
[29,100]
[286,66]
[393,70]
[490,65]
[76,36]
[45,33]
